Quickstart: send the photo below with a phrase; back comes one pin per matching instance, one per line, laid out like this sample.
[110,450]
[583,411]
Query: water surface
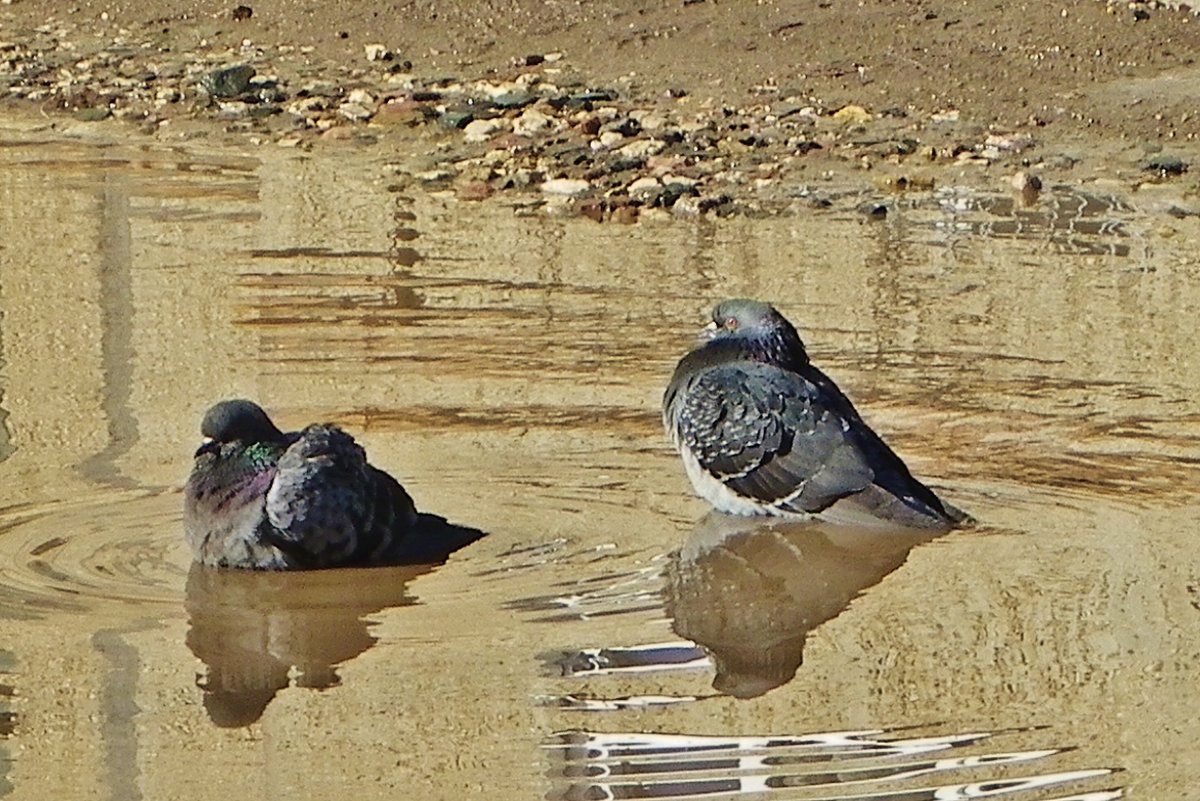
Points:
[607,639]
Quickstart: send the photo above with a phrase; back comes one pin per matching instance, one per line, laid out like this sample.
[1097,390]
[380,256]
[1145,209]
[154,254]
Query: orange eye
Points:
[731,323]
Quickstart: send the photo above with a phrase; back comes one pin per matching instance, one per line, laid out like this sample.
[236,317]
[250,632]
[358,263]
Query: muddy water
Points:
[607,639]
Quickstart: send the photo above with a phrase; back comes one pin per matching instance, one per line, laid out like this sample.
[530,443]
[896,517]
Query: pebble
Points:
[355,112]
[641,149]
[645,187]
[456,118]
[94,114]
[480,130]
[853,115]
[228,81]
[628,160]
[1024,182]
[232,110]
[377,52]
[608,139]
[566,187]
[514,99]
[531,123]
[626,215]
[1165,165]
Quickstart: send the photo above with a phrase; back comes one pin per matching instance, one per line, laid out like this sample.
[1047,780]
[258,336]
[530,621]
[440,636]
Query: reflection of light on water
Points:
[649,658]
[868,764]
[615,704]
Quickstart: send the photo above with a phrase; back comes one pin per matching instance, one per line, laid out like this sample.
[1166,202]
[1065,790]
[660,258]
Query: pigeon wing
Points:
[768,434]
[322,497]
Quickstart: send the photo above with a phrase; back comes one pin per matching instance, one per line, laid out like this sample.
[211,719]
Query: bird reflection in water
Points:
[750,590]
[258,632]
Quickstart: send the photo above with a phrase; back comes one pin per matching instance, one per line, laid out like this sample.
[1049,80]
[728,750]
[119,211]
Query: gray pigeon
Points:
[262,499]
[764,432]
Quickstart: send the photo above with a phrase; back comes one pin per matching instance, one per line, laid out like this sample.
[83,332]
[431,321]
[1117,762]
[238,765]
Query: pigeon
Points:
[764,432]
[261,499]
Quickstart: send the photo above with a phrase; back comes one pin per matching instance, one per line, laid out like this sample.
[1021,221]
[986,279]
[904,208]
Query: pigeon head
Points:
[238,421]
[758,330]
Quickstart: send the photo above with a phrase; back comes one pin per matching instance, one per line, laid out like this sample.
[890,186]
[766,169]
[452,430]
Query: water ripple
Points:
[117,546]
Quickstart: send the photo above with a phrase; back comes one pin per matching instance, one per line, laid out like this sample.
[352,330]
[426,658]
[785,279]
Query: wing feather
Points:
[771,435]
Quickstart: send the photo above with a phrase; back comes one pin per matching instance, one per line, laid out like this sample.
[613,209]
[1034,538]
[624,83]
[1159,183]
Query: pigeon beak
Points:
[207,445]
[708,332]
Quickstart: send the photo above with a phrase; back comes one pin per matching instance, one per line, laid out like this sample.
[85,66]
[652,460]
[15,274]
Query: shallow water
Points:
[607,639]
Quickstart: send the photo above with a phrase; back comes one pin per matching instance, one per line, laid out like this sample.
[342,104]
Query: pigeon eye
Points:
[731,323]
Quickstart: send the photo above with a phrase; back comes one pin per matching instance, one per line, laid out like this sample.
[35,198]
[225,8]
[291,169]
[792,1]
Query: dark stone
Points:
[228,81]
[456,118]
[626,127]
[621,165]
[510,100]
[583,100]
[1166,165]
[426,96]
[533,59]
[94,114]
[242,13]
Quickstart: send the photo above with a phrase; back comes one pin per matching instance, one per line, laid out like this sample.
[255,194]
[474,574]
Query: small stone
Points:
[593,210]
[475,190]
[232,110]
[590,125]
[680,181]
[514,99]
[355,112]
[242,13]
[1024,182]
[853,115]
[650,120]
[434,175]
[531,123]
[400,112]
[228,81]
[626,215]
[641,148]
[626,127]
[609,139]
[1166,165]
[645,187]
[687,207]
[168,94]
[308,105]
[566,187]
[94,114]
[949,115]
[361,97]
[377,52]
[480,130]
[456,119]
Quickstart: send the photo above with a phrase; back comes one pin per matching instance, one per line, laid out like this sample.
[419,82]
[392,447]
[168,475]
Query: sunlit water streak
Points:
[864,765]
